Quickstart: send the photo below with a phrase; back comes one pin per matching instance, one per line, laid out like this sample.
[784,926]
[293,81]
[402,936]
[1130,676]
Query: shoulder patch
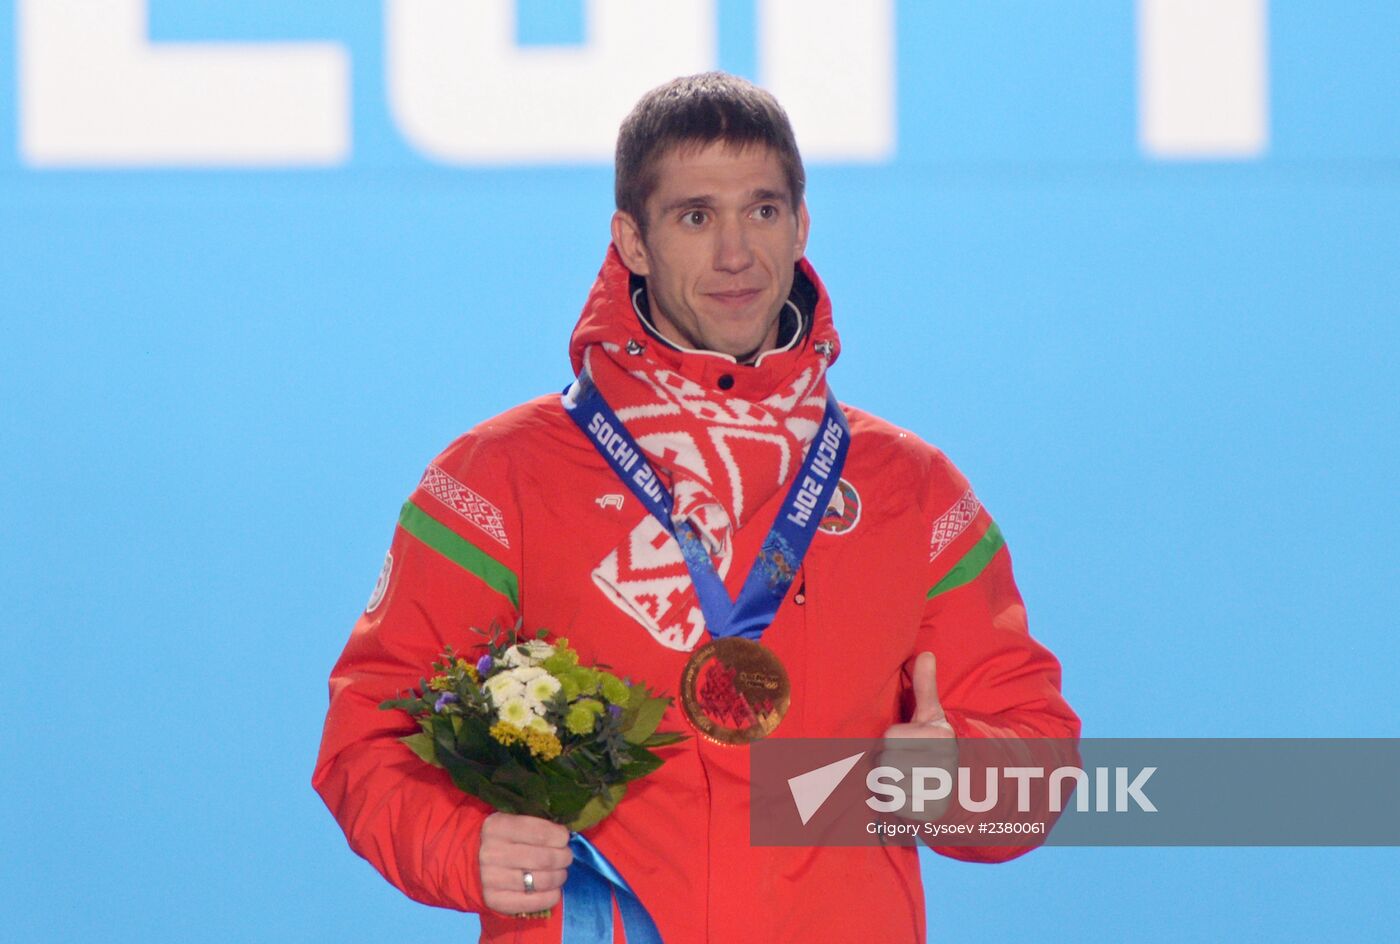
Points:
[466,503]
[382,584]
[953,522]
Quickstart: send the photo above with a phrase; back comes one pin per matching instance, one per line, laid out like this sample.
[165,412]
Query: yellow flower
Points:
[540,743]
[506,733]
[439,683]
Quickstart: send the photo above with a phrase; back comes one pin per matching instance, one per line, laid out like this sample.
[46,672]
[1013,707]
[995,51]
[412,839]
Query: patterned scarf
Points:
[722,457]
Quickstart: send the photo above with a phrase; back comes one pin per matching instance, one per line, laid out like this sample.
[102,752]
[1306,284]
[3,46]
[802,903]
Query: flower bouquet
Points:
[527,729]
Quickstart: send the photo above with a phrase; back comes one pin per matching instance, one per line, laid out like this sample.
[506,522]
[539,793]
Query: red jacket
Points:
[510,520]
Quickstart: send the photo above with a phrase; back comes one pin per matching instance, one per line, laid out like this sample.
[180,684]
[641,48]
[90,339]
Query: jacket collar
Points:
[609,317]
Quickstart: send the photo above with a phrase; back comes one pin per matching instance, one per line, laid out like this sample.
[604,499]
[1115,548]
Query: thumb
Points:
[927,710]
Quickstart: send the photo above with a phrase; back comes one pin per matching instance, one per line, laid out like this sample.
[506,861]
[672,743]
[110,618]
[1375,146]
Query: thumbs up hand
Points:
[928,720]
[926,739]
[927,711]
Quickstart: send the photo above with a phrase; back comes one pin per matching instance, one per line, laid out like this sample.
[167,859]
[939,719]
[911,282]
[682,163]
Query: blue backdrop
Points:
[1171,381]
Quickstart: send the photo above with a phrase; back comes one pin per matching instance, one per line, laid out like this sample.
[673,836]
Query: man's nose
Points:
[733,252]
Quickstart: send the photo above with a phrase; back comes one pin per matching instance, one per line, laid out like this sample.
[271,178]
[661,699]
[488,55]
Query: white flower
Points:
[527,653]
[503,687]
[515,711]
[513,657]
[538,649]
[539,724]
[543,688]
[526,674]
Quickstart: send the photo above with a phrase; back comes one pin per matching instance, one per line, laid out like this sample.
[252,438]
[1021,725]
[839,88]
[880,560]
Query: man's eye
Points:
[767,212]
[694,217]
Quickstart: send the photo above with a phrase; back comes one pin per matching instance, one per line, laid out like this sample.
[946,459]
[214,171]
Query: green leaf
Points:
[537,792]
[422,745]
[493,795]
[663,738]
[642,763]
[512,775]
[648,717]
[564,795]
[411,704]
[464,767]
[527,797]
[566,789]
[447,750]
[597,808]
[473,736]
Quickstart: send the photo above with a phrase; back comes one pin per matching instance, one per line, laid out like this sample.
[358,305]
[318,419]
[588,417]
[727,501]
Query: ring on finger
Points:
[528,880]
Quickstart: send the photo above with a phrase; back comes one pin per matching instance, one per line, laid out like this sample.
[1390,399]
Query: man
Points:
[710,335]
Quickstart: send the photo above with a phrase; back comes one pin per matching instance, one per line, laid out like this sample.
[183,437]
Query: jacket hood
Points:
[608,317]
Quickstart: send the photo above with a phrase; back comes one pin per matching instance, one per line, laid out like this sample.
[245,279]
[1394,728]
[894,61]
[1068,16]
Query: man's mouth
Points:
[736,298]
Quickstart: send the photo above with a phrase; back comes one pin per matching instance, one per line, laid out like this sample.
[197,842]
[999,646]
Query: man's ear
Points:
[804,225]
[627,236]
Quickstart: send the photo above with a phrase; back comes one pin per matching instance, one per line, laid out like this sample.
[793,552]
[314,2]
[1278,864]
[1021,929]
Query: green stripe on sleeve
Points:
[973,562]
[460,551]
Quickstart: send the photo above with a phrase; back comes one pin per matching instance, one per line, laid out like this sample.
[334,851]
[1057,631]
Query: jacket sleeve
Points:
[452,567]
[994,680]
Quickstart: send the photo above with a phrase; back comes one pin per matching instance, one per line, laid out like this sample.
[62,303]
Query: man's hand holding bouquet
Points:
[551,745]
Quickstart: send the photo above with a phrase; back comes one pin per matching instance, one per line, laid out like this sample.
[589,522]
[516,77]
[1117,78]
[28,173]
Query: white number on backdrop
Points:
[94,91]
[1203,74]
[832,65]
[464,92]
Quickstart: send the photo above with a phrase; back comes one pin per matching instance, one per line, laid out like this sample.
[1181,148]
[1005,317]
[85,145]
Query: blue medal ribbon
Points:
[783,549]
[588,898]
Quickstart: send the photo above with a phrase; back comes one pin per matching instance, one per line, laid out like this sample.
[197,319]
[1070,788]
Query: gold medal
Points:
[735,691]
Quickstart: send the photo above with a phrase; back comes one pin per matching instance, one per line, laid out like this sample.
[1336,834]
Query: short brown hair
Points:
[699,110]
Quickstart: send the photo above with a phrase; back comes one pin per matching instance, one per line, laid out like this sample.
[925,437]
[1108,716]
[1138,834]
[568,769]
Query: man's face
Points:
[721,239]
